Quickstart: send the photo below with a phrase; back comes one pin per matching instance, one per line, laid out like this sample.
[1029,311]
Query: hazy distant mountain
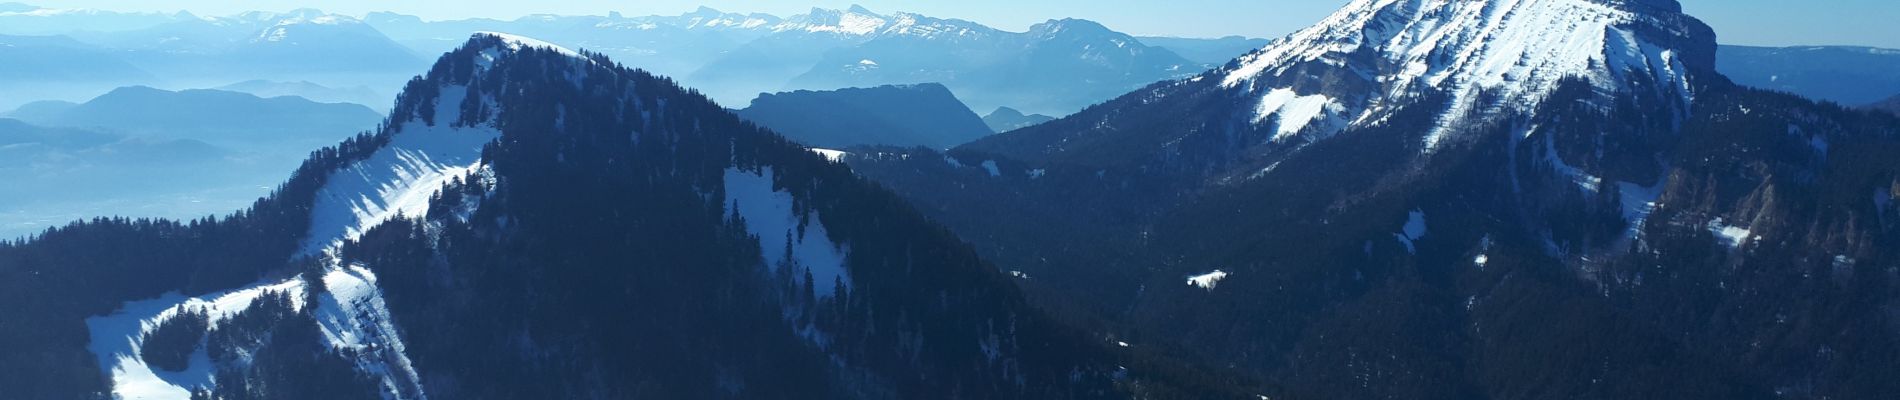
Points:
[139,151]
[45,59]
[925,115]
[792,47]
[58,67]
[1057,67]
[1006,119]
[191,51]
[361,95]
[1842,74]
[57,175]
[209,115]
[673,45]
[1891,104]
[264,45]
[1082,61]
[22,19]
[1207,51]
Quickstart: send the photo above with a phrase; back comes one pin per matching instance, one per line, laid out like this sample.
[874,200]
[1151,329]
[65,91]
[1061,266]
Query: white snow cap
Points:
[1519,49]
[518,42]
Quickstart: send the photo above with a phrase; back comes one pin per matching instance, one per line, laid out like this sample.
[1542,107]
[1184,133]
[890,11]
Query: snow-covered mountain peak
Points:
[1069,26]
[855,21]
[1389,52]
[512,42]
[284,27]
[710,18]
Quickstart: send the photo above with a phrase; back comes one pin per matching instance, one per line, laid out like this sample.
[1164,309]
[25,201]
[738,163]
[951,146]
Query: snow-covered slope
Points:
[770,215]
[420,157]
[1488,57]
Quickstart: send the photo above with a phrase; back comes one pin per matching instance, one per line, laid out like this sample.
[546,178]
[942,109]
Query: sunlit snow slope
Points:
[397,179]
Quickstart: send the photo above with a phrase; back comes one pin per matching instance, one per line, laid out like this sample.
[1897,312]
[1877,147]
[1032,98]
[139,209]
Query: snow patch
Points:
[117,337]
[518,42]
[1294,111]
[990,165]
[352,315]
[397,179]
[829,154]
[1728,235]
[1207,280]
[1484,253]
[1638,202]
[1413,230]
[770,216]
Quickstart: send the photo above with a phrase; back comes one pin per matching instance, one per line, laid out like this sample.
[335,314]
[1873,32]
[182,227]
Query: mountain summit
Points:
[1470,57]
[538,222]
[1427,199]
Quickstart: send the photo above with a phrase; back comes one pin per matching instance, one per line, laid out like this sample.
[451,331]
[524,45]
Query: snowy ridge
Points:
[855,21]
[399,178]
[860,22]
[518,42]
[1517,49]
[116,339]
[395,180]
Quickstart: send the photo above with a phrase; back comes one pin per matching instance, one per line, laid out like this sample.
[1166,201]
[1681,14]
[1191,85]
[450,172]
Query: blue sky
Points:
[1755,22]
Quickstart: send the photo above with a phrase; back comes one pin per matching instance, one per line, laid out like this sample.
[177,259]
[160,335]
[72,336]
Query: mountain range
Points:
[1006,119]
[734,57]
[361,95]
[1207,51]
[140,151]
[208,115]
[1852,76]
[926,115]
[1456,200]
[1486,199]
[603,231]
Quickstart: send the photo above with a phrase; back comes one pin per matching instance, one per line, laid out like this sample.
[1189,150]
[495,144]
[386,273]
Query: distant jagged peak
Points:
[269,17]
[856,20]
